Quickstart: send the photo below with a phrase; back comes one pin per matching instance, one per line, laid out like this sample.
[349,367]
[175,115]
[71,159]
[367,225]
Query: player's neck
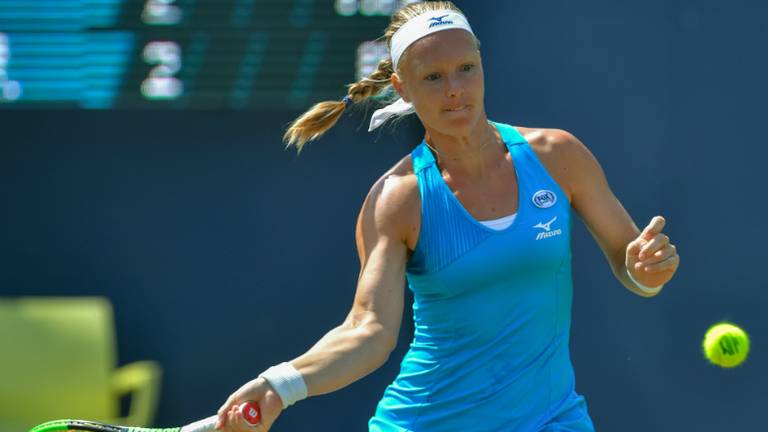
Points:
[472,155]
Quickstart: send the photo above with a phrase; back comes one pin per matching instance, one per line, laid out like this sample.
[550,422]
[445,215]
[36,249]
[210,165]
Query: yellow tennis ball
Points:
[726,344]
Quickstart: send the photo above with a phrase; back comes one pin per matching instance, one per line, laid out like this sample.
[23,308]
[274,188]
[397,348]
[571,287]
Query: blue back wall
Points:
[224,254]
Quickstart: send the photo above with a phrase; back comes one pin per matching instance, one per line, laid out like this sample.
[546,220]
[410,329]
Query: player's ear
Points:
[397,83]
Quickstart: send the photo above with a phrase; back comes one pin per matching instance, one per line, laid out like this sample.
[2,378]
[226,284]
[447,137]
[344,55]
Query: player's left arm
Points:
[649,255]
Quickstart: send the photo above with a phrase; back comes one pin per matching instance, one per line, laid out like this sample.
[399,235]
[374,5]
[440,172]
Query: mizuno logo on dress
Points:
[439,21]
[548,231]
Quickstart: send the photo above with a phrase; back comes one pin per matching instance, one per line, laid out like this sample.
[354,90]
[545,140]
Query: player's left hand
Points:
[651,258]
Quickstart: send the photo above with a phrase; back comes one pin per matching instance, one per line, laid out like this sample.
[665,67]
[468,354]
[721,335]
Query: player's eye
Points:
[467,67]
[432,77]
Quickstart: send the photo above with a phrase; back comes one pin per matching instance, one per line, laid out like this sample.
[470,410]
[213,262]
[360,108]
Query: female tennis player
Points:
[477,220]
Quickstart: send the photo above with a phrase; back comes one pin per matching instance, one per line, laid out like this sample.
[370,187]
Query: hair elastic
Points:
[347,101]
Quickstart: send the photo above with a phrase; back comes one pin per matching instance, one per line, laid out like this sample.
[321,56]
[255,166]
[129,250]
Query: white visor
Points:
[424,25]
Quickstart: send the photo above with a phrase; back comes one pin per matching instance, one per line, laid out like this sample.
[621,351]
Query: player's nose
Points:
[454,86]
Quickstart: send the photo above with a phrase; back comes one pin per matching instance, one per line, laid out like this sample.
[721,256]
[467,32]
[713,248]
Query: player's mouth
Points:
[458,108]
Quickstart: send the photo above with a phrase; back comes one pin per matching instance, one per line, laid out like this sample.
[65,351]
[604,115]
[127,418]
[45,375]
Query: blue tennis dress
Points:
[492,313]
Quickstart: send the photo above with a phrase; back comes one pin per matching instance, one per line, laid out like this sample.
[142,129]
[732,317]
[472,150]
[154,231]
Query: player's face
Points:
[442,75]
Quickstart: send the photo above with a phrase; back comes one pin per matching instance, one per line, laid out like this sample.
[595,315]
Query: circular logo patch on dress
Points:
[544,199]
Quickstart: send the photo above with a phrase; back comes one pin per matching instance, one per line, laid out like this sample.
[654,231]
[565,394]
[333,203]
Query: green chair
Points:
[58,360]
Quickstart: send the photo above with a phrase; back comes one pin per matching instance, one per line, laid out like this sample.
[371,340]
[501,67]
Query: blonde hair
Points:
[324,115]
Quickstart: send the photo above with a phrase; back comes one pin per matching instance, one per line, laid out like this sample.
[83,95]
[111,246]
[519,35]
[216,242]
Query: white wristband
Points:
[643,288]
[287,382]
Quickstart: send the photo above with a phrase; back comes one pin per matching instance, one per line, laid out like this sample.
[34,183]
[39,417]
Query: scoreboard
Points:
[186,54]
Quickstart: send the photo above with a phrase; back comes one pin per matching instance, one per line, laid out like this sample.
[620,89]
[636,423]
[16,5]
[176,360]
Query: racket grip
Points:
[251,412]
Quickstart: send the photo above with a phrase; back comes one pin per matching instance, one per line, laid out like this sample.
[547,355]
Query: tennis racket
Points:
[249,410]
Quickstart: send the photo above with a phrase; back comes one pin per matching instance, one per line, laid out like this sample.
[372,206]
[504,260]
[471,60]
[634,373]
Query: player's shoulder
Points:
[563,155]
[556,148]
[393,200]
[550,142]
[398,185]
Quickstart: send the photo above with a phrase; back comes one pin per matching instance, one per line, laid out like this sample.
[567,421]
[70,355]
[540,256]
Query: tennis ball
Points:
[726,345]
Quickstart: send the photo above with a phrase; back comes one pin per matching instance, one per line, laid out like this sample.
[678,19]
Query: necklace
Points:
[455,157]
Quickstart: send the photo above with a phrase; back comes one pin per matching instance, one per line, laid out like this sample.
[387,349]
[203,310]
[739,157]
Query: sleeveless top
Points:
[491,310]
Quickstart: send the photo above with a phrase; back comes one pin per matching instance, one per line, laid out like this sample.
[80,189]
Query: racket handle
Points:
[251,412]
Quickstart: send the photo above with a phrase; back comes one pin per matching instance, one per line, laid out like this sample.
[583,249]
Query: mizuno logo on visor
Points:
[439,21]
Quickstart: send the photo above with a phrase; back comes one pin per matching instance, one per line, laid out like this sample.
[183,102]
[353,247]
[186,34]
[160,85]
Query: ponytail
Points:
[322,116]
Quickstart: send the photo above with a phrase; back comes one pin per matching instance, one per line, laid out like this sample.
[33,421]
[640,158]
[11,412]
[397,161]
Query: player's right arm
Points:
[364,340]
